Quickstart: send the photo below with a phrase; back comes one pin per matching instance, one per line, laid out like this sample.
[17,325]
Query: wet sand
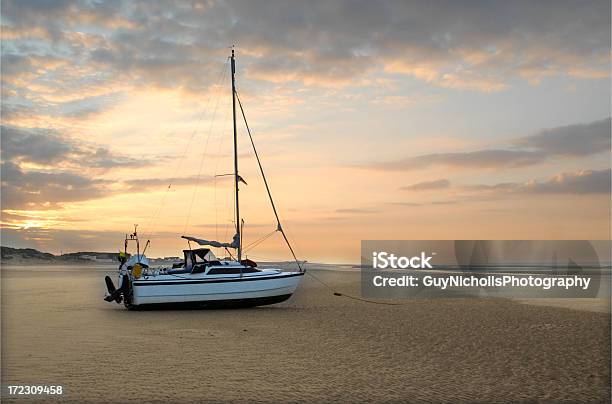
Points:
[56,329]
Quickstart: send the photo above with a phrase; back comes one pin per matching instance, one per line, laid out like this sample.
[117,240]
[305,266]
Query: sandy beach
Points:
[315,347]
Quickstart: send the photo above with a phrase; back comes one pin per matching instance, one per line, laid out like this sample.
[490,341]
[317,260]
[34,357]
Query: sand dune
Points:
[316,347]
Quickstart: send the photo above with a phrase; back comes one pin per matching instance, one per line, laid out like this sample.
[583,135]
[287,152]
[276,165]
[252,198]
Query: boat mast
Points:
[236,177]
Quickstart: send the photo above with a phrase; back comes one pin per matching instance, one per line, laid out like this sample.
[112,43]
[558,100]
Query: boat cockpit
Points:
[200,260]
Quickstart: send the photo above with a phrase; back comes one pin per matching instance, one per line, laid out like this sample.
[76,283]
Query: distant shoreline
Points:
[31,256]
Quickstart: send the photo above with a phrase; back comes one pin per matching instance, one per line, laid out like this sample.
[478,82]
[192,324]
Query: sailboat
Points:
[201,278]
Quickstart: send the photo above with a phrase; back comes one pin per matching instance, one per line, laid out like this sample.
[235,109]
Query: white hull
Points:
[259,288]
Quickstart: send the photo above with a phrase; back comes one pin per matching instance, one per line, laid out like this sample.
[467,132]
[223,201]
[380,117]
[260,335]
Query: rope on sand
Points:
[361,299]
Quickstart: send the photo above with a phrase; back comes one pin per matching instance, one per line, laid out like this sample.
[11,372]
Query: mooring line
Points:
[361,299]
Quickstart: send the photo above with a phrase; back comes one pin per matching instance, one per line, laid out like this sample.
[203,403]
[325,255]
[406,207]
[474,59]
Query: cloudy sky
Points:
[374,120]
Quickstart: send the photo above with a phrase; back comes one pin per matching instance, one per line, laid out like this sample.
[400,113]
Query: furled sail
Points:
[234,244]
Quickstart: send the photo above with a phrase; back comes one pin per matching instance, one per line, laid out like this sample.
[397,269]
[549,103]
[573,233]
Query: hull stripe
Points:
[225,280]
[207,294]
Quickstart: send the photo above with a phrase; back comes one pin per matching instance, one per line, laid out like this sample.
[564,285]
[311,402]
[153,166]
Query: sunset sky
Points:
[373,119]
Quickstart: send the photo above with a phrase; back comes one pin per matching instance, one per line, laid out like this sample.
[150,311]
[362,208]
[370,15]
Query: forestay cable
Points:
[279,227]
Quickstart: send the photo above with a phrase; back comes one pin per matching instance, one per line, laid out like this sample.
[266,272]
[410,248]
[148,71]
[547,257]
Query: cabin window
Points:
[250,269]
[231,270]
[223,271]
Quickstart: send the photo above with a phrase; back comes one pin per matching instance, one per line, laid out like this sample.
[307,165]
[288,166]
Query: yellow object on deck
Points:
[137,271]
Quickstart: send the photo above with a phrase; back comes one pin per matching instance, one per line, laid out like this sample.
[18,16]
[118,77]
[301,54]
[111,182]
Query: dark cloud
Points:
[427,185]
[443,202]
[36,146]
[356,211]
[13,64]
[56,240]
[70,179]
[47,146]
[472,40]
[567,141]
[571,140]
[103,158]
[54,16]
[474,44]
[580,183]
[476,159]
[85,106]
[160,183]
[427,203]
[46,190]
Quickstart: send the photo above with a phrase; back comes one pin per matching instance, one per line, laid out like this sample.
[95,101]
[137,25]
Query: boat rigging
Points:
[201,277]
